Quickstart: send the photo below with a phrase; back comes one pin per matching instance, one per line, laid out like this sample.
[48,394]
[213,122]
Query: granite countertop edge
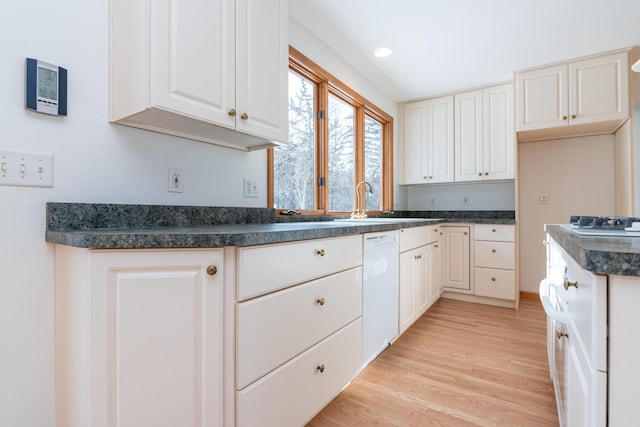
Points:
[217,236]
[600,255]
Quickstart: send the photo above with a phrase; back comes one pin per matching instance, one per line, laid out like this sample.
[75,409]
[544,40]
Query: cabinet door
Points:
[433,273]
[499,134]
[415,143]
[422,280]
[196,82]
[542,98]
[456,258]
[440,143]
[157,338]
[598,89]
[408,290]
[469,136]
[263,64]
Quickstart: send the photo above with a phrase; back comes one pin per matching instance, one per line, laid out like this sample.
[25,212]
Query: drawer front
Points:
[295,392]
[274,328]
[495,255]
[495,283]
[263,269]
[495,232]
[434,233]
[414,237]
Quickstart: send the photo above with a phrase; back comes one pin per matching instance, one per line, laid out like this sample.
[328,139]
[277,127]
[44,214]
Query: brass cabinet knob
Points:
[493,251]
[320,368]
[564,117]
[568,284]
[465,233]
[560,334]
[435,246]
[493,279]
[573,116]
[486,173]
[430,177]
[424,177]
[479,173]
[244,116]
[320,301]
[320,252]
[212,270]
[232,112]
[493,230]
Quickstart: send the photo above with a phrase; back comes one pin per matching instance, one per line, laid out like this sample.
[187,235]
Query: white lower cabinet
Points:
[139,337]
[298,328]
[494,250]
[455,272]
[419,272]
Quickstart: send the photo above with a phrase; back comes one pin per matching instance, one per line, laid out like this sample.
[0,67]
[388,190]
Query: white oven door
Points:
[557,326]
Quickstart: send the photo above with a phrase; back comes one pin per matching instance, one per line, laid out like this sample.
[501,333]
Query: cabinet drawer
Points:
[295,392]
[274,328]
[495,255]
[263,269]
[434,233]
[414,237]
[495,283]
[494,232]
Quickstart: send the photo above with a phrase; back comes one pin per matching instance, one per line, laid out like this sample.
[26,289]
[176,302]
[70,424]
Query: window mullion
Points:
[322,147]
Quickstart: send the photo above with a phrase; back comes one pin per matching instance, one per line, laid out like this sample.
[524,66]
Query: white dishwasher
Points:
[379,293]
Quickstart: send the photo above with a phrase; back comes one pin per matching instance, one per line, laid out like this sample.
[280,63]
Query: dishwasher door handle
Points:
[556,315]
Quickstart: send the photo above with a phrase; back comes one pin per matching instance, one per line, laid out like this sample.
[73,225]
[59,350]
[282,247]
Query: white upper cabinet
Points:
[484,134]
[209,70]
[587,96]
[428,141]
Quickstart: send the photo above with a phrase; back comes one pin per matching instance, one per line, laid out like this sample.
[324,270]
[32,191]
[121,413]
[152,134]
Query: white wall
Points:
[578,176]
[487,196]
[94,161]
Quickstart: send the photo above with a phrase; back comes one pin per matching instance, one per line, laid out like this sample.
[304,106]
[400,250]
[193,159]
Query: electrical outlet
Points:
[250,188]
[176,184]
[543,199]
[21,168]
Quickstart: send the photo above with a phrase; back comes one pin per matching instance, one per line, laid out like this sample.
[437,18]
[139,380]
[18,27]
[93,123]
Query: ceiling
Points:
[442,46]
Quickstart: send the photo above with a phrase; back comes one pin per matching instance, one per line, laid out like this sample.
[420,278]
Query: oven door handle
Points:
[556,315]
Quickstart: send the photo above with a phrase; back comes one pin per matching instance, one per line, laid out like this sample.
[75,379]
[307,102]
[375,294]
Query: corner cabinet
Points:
[428,141]
[139,337]
[212,71]
[581,97]
[455,259]
[484,134]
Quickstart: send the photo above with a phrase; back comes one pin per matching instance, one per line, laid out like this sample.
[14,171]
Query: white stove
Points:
[604,226]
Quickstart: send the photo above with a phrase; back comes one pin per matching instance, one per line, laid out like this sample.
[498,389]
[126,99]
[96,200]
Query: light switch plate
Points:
[26,169]
[250,188]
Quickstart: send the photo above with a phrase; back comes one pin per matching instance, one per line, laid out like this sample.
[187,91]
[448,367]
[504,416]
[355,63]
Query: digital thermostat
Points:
[46,88]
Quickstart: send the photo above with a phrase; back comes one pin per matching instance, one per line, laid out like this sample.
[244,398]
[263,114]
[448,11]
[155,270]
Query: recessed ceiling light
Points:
[382,52]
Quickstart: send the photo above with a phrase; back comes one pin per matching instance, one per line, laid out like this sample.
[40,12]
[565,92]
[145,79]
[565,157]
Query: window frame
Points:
[327,84]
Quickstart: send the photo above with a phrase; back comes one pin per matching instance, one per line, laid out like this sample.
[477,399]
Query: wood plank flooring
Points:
[461,364]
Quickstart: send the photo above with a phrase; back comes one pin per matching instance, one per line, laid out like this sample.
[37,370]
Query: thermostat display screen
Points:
[47,84]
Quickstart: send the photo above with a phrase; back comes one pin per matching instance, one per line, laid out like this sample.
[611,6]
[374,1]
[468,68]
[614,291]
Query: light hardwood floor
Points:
[461,364]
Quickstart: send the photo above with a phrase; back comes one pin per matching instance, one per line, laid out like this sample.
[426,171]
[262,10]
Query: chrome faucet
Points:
[358,212]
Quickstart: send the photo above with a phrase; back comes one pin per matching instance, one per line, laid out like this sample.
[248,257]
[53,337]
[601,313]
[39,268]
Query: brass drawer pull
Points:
[244,116]
[320,368]
[320,252]
[493,279]
[212,270]
[493,251]
[568,284]
[320,301]
[560,334]
[232,112]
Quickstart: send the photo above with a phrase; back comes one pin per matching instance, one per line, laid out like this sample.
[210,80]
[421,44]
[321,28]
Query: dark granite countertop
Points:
[600,254]
[115,226]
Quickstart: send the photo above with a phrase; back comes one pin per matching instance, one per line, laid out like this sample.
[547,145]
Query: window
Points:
[336,140]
